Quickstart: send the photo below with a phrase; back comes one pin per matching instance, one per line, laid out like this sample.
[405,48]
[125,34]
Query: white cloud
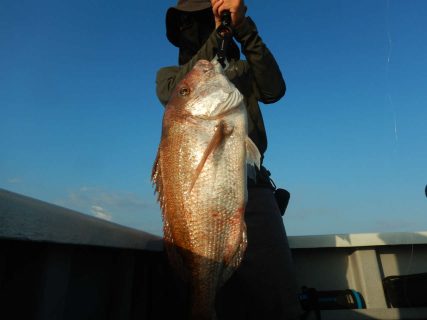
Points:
[100,212]
[14,180]
[121,207]
[113,201]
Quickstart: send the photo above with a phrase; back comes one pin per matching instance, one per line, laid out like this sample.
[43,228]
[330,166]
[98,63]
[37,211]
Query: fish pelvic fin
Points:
[236,259]
[253,158]
[221,133]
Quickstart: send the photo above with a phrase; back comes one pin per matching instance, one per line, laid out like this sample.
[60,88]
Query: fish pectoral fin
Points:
[221,132]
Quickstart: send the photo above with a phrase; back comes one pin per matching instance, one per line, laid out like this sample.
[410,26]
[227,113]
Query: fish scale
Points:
[200,177]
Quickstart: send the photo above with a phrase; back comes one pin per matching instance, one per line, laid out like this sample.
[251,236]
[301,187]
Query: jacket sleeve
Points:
[270,85]
[167,78]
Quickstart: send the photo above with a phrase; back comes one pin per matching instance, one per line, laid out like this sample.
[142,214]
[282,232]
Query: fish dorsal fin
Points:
[220,134]
[253,158]
[155,172]
[157,180]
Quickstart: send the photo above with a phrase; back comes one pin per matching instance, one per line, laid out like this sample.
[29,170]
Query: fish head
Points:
[205,92]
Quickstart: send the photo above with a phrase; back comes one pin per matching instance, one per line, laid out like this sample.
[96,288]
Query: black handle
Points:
[225,32]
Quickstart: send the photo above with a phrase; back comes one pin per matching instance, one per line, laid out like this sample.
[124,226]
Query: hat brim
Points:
[192,6]
[172,19]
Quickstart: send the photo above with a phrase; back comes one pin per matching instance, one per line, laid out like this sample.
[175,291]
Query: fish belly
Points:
[204,225]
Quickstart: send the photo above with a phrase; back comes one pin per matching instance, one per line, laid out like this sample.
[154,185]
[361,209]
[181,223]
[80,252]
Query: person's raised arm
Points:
[270,85]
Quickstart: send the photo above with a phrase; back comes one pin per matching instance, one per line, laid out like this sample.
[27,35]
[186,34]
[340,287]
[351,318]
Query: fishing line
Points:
[387,72]
[411,258]
[408,267]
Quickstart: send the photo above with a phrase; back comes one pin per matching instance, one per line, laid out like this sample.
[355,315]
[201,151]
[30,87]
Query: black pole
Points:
[225,32]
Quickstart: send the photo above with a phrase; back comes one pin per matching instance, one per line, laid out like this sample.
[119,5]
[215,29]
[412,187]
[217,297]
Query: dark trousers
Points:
[264,285]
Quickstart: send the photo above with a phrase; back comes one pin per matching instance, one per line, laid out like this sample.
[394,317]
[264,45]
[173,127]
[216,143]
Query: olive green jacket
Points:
[258,77]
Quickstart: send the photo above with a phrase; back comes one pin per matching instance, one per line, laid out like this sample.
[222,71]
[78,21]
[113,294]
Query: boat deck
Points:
[56,263]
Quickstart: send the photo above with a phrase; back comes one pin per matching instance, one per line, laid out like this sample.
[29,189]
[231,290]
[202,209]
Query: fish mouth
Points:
[210,66]
[216,65]
[228,102]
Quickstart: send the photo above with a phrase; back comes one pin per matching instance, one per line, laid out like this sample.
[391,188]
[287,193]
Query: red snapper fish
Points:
[200,175]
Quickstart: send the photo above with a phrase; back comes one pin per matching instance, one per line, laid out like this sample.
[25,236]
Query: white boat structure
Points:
[360,262]
[56,263]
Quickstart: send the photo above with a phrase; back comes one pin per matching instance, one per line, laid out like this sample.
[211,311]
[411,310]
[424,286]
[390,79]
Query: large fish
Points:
[200,177]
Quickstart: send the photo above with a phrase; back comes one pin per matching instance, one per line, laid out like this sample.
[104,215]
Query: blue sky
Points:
[80,121]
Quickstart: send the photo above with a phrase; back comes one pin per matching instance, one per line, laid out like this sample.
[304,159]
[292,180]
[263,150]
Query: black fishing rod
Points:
[225,33]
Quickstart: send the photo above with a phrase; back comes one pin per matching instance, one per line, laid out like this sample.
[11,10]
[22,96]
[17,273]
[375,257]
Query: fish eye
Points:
[184,91]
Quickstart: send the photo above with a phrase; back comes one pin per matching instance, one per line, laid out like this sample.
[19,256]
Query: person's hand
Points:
[236,7]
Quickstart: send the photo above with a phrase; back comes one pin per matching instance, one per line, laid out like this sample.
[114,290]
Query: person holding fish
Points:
[222,224]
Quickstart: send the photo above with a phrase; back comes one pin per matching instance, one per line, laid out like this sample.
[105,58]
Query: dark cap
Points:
[173,13]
